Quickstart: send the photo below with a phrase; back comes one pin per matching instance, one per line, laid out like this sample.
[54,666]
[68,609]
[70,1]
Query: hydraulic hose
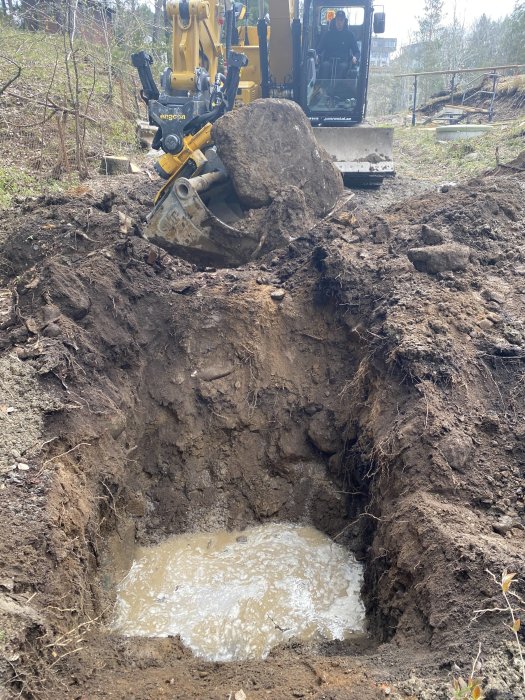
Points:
[262,33]
[230,91]
[228,16]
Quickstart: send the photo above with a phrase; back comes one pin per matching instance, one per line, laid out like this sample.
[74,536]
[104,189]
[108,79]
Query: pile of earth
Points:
[368,379]
[509,99]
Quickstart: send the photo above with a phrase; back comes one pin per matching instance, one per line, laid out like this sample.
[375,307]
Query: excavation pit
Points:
[330,385]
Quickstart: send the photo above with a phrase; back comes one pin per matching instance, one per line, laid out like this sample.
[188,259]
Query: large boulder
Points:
[268,146]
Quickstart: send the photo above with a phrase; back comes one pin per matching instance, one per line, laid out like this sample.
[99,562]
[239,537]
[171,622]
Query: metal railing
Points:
[454,73]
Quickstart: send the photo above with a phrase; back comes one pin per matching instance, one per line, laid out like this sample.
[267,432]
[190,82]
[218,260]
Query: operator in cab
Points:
[338,49]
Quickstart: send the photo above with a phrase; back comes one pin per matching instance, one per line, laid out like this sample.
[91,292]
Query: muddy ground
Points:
[378,395]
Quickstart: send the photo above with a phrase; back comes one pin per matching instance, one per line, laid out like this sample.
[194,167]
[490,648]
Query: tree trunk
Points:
[157,21]
[29,15]
[167,23]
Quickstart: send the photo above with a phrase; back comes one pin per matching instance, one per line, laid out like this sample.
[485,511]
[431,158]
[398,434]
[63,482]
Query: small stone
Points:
[312,408]
[457,448]
[50,313]
[431,236]
[485,324]
[472,157]
[380,231]
[504,524]
[52,331]
[491,295]
[513,336]
[241,539]
[210,374]
[438,326]
[440,258]
[278,294]
[323,433]
[23,467]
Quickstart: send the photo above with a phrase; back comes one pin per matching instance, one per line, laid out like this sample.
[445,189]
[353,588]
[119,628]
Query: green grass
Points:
[44,76]
[418,154]
[121,134]
[16,182]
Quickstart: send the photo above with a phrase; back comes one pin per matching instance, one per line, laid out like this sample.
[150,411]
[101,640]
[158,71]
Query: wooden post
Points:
[414,104]
[495,77]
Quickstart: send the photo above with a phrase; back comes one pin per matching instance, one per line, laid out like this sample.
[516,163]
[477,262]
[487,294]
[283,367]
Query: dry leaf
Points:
[506,581]
[78,190]
[476,693]
[516,626]
[125,223]
[34,283]
[32,325]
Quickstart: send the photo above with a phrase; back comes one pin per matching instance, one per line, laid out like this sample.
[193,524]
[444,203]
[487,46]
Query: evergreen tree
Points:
[431,22]
[485,44]
[429,47]
[514,35]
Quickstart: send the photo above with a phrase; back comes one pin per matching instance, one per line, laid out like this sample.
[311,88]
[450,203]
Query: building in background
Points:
[382,50]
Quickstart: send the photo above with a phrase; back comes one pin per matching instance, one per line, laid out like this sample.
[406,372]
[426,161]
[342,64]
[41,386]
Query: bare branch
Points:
[51,105]
[4,87]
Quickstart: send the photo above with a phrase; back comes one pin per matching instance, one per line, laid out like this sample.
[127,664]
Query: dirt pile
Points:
[331,382]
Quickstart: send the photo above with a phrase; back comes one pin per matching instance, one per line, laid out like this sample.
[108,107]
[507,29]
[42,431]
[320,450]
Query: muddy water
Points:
[233,596]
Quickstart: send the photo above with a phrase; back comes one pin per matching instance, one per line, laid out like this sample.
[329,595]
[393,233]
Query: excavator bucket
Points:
[200,218]
[197,220]
[363,154]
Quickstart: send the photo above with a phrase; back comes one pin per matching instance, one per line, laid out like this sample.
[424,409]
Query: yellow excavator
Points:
[220,62]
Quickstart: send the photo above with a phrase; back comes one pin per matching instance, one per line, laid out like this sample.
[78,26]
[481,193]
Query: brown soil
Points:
[382,404]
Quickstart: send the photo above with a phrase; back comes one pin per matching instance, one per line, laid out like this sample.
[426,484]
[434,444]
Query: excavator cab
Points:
[334,65]
[332,82]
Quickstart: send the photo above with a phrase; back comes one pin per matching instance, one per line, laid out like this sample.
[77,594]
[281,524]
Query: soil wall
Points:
[333,382]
